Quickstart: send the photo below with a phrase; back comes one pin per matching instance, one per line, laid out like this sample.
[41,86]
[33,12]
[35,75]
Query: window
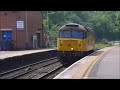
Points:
[65,34]
[71,34]
[77,34]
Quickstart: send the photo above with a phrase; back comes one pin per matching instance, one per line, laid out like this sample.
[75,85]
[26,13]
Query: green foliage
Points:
[104,41]
[54,30]
[106,24]
[52,45]
[101,45]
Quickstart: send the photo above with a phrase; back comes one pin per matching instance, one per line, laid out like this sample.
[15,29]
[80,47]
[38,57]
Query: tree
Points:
[106,24]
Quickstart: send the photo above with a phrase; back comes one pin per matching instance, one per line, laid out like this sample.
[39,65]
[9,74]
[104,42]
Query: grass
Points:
[101,45]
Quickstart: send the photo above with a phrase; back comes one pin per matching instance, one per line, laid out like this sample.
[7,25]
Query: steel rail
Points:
[26,67]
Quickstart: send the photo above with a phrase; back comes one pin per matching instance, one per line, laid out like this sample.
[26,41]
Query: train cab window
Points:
[77,34]
[65,34]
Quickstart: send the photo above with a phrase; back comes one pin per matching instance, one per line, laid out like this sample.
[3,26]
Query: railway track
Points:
[57,71]
[42,72]
[15,73]
[48,72]
[46,69]
[51,75]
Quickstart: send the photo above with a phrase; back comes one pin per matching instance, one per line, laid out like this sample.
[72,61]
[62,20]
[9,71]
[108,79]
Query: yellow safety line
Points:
[91,66]
[79,74]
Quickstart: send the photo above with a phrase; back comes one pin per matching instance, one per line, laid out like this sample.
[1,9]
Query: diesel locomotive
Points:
[74,41]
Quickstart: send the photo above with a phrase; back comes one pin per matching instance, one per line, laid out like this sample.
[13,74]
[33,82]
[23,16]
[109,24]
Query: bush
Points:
[52,45]
[104,41]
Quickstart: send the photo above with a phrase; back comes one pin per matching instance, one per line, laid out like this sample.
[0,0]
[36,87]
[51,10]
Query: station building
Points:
[22,30]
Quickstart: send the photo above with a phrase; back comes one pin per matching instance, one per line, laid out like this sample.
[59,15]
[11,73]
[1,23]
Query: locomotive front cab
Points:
[71,40]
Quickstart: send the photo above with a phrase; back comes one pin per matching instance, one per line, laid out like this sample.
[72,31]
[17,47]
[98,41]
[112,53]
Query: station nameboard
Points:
[20,25]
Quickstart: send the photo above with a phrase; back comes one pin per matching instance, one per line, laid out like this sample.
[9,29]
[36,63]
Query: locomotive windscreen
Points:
[65,34]
[77,34]
[71,34]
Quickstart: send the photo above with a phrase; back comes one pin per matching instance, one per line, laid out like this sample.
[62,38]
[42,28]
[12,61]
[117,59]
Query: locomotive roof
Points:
[72,26]
[89,29]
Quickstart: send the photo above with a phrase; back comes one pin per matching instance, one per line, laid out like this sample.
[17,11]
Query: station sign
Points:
[20,25]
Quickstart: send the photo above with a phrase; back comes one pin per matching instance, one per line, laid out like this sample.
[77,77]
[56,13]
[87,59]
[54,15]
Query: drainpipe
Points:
[26,31]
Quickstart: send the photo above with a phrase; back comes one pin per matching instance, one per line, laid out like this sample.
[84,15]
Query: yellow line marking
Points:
[79,74]
[91,66]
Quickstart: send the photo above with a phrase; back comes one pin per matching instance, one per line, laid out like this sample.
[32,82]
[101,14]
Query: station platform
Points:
[85,68]
[8,54]
[107,67]
[14,59]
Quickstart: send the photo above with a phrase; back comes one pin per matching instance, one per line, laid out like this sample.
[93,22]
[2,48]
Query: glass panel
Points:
[65,34]
[71,34]
[77,34]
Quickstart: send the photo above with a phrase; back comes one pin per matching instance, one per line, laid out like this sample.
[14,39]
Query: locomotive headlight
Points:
[71,48]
